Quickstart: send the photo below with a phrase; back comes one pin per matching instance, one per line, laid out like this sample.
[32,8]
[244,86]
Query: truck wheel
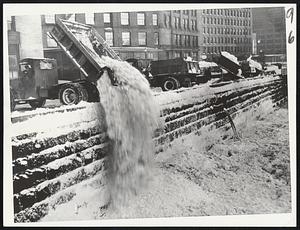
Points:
[37,103]
[72,94]
[170,84]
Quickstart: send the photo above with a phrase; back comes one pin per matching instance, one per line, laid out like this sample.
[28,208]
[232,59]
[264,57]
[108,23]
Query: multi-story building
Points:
[268,25]
[154,35]
[226,30]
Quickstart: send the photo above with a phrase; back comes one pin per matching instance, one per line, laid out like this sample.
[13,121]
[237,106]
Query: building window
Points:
[195,41]
[72,18]
[125,38]
[204,30]
[49,19]
[106,17]
[204,40]
[176,22]
[167,20]
[142,38]
[175,39]
[156,39]
[90,19]
[125,19]
[193,24]
[109,38]
[154,19]
[51,42]
[141,19]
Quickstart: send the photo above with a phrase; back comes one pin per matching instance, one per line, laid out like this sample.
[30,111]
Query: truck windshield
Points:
[46,65]
[24,66]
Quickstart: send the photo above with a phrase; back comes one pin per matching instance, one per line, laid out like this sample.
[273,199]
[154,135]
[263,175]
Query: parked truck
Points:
[174,73]
[38,77]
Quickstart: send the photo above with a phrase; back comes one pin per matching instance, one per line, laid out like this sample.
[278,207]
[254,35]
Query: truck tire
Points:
[170,84]
[37,103]
[72,94]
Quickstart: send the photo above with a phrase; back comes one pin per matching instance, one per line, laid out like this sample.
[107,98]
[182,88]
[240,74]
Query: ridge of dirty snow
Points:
[210,174]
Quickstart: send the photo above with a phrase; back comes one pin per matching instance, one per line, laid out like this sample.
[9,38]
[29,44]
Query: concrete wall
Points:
[47,170]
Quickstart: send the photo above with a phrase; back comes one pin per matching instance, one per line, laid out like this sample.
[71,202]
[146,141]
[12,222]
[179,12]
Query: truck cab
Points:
[36,77]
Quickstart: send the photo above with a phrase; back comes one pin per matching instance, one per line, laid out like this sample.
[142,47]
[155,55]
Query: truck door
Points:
[26,81]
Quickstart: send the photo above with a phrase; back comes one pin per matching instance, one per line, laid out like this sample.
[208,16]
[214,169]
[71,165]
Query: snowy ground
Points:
[211,174]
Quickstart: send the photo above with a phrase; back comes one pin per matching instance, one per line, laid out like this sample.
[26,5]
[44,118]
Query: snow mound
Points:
[207,64]
[254,64]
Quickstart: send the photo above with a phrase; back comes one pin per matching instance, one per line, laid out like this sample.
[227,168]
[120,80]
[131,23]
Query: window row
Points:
[235,49]
[107,18]
[142,38]
[186,12]
[185,40]
[225,40]
[109,38]
[227,12]
[221,21]
[185,23]
[226,31]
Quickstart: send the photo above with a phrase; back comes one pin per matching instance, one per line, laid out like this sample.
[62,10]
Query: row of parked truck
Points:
[38,77]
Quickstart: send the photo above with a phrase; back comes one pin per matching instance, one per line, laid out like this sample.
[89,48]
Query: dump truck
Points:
[238,69]
[38,79]
[174,73]
[230,64]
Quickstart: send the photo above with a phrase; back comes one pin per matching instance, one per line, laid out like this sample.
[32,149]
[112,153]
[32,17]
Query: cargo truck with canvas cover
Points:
[174,73]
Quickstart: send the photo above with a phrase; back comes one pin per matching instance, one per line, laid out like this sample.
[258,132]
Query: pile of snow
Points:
[53,122]
[272,68]
[230,57]
[254,64]
[207,64]
[180,97]
[131,116]
[189,59]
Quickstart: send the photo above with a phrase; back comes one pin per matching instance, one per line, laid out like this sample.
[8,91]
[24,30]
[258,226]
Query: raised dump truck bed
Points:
[84,46]
[227,64]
